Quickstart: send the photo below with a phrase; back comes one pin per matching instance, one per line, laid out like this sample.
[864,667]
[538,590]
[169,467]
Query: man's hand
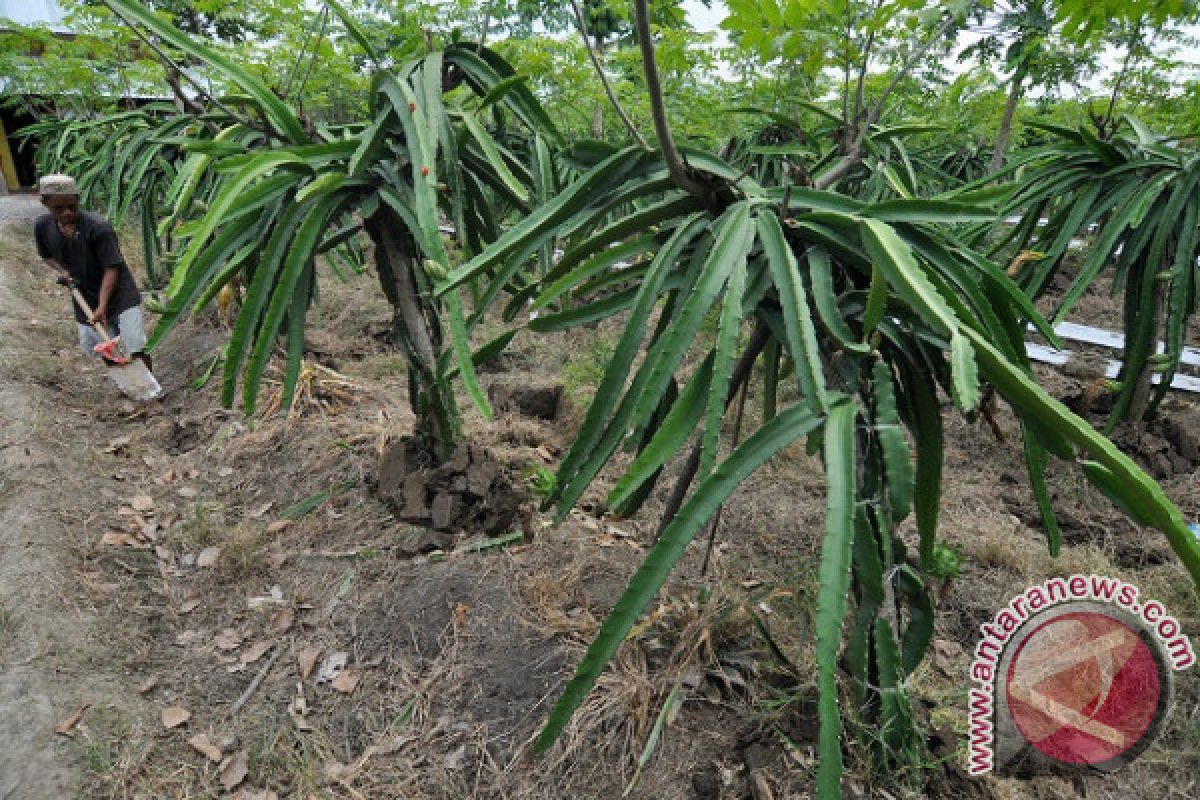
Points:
[64,279]
[100,317]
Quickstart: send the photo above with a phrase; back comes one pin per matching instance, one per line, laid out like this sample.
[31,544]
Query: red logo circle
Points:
[1083,688]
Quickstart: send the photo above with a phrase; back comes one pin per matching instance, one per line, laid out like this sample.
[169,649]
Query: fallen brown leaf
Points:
[174,716]
[280,525]
[346,681]
[67,726]
[255,652]
[208,556]
[308,661]
[249,793]
[148,685]
[114,539]
[142,502]
[261,510]
[210,751]
[228,639]
[460,614]
[233,770]
[189,606]
[281,621]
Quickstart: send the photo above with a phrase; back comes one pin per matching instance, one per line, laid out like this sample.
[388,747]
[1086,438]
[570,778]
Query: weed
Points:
[947,561]
[539,479]
[8,622]
[582,373]
[243,554]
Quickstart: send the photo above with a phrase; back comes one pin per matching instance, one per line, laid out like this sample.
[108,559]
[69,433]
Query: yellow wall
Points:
[7,167]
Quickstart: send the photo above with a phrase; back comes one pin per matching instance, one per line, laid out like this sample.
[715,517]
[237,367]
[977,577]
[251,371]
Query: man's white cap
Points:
[51,185]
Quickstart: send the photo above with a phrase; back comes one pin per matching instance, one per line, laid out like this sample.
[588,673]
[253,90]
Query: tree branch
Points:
[741,375]
[659,111]
[166,59]
[852,156]
[487,21]
[608,90]
[1134,40]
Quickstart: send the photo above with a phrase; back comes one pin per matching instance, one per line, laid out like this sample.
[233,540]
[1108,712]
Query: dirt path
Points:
[36,622]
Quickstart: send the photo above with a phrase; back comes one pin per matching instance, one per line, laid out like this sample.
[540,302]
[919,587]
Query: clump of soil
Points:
[1166,446]
[469,491]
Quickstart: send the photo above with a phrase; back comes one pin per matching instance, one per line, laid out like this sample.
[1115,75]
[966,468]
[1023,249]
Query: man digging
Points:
[82,248]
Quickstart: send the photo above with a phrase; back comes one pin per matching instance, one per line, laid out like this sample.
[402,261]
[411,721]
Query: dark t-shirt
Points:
[85,256]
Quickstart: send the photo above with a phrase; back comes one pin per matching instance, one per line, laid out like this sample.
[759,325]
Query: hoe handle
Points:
[100,329]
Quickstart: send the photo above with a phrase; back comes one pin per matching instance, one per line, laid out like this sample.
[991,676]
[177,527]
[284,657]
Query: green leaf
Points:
[797,319]
[492,153]
[728,330]
[789,425]
[300,254]
[277,112]
[834,585]
[594,443]
[733,240]
[964,371]
[940,212]
[892,254]
[1137,490]
[669,436]
[352,28]
[899,471]
[825,298]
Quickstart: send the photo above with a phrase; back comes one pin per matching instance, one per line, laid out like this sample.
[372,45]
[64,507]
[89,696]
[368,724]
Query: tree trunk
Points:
[1015,92]
[598,112]
[431,398]
[1139,402]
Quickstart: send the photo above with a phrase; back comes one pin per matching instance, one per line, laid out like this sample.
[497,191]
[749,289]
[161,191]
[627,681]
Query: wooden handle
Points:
[88,310]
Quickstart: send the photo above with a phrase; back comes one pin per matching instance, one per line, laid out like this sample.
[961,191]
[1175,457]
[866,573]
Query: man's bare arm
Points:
[108,285]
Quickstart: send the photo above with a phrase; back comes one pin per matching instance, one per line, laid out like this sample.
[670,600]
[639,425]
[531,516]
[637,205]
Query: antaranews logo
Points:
[1076,671]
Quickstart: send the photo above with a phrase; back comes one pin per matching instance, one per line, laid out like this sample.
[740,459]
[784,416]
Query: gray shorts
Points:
[128,324]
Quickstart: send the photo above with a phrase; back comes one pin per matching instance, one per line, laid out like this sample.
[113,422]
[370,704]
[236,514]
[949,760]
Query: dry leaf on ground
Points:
[148,685]
[250,793]
[255,652]
[208,557]
[308,661]
[189,606]
[280,622]
[228,639]
[261,510]
[67,726]
[210,751]
[142,502]
[174,716]
[233,770]
[114,539]
[346,681]
[280,525]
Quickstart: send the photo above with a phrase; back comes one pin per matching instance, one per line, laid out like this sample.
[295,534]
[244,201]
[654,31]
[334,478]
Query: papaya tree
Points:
[872,309]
